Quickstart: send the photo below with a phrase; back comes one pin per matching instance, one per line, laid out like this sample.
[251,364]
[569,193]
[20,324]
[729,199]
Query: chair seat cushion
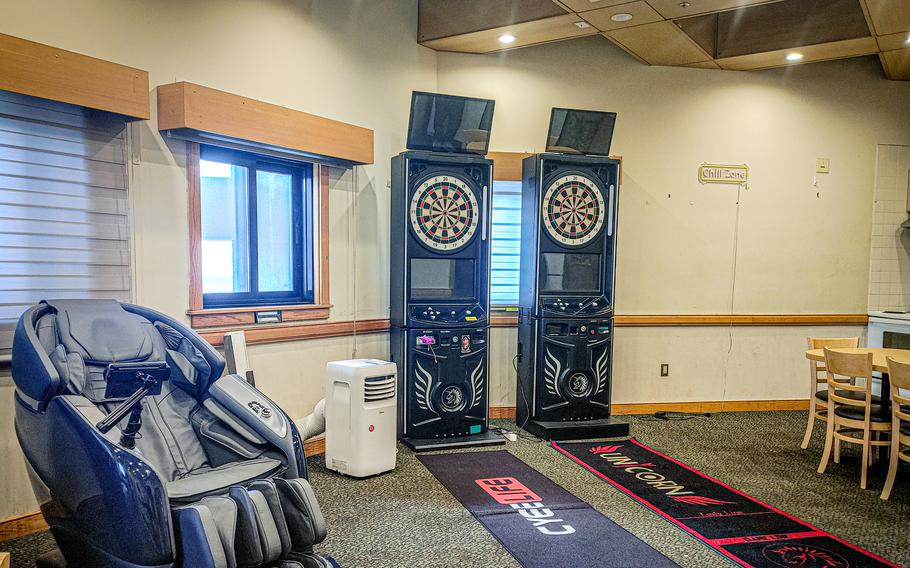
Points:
[823,395]
[859,413]
[210,481]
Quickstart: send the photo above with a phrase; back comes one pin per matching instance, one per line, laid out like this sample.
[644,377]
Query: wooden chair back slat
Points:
[831,342]
[857,365]
[899,374]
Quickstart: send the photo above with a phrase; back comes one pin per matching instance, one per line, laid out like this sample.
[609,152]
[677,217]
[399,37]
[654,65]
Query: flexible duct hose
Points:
[314,424]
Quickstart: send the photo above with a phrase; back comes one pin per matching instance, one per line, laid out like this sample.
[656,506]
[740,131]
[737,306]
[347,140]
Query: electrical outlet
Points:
[822,165]
[664,369]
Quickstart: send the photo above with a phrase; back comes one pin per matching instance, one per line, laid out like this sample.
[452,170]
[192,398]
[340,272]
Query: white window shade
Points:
[505,243]
[63,206]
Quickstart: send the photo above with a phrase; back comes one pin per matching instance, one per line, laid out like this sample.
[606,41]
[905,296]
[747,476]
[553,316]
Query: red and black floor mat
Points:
[744,529]
[540,523]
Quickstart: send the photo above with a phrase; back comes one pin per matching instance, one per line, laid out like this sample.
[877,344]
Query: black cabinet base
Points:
[431,444]
[601,428]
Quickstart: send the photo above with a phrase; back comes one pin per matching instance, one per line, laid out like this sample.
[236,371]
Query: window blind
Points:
[63,206]
[505,243]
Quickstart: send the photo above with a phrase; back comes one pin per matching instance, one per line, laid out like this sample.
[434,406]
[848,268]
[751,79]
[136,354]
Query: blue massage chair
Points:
[142,455]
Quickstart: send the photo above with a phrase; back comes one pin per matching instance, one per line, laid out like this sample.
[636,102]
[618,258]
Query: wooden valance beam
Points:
[507,165]
[46,72]
[189,107]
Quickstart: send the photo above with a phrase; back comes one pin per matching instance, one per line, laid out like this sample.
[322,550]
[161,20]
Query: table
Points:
[879,363]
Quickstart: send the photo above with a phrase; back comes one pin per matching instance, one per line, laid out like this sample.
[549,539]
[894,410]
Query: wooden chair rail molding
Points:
[187,106]
[46,72]
[698,320]
[739,319]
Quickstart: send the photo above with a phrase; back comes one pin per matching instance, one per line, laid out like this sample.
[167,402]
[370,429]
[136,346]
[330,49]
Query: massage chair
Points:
[141,454]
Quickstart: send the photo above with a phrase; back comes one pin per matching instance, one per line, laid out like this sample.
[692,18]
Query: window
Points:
[256,229]
[63,207]
[505,243]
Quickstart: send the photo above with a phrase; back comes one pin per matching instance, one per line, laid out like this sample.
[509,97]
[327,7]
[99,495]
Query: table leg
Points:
[885,412]
[886,397]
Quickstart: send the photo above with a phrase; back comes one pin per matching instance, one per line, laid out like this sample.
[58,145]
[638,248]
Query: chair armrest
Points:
[254,416]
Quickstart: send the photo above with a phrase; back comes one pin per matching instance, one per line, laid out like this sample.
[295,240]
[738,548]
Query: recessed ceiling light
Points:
[506,39]
[582,25]
[794,56]
[684,4]
[621,17]
[908,39]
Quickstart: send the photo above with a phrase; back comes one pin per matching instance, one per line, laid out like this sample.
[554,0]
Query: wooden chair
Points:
[850,408]
[818,399]
[899,374]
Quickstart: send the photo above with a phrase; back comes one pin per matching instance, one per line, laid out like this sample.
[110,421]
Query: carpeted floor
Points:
[406,518]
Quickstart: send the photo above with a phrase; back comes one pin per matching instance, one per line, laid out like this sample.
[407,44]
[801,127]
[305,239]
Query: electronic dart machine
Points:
[439,273]
[568,255]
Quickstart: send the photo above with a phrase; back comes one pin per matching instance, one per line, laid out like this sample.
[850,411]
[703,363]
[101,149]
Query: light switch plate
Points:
[822,165]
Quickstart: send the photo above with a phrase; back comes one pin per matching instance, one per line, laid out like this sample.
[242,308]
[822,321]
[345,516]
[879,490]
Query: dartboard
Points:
[444,212]
[573,210]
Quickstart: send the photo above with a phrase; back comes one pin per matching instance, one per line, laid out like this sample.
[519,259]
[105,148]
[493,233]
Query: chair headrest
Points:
[101,331]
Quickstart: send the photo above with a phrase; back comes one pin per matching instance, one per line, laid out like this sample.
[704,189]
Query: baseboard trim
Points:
[704,406]
[21,526]
[316,445]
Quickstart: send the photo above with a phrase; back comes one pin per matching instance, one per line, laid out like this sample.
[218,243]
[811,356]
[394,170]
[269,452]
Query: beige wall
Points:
[358,61]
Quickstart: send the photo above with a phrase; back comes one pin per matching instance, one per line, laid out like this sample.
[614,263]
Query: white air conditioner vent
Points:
[378,388]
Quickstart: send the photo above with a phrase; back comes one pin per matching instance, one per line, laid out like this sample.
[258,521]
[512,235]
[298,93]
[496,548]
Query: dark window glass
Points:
[570,272]
[891,340]
[441,279]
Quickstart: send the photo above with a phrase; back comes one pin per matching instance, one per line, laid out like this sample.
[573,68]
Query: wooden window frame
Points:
[229,318]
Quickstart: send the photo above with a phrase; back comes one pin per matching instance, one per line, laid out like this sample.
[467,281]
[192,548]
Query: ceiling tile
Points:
[894,41]
[443,18]
[526,33]
[585,5]
[671,9]
[896,64]
[640,11]
[660,43]
[820,52]
[889,16]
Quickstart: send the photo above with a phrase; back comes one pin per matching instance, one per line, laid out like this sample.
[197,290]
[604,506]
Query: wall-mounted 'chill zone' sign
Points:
[717,173]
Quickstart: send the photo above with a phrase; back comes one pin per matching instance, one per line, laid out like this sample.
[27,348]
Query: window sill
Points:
[246,316]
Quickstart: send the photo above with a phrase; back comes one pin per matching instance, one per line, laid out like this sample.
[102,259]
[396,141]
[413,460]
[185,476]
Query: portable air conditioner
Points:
[360,412]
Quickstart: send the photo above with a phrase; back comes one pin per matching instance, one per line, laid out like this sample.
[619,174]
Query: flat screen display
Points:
[442,279]
[570,272]
[580,131]
[446,123]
